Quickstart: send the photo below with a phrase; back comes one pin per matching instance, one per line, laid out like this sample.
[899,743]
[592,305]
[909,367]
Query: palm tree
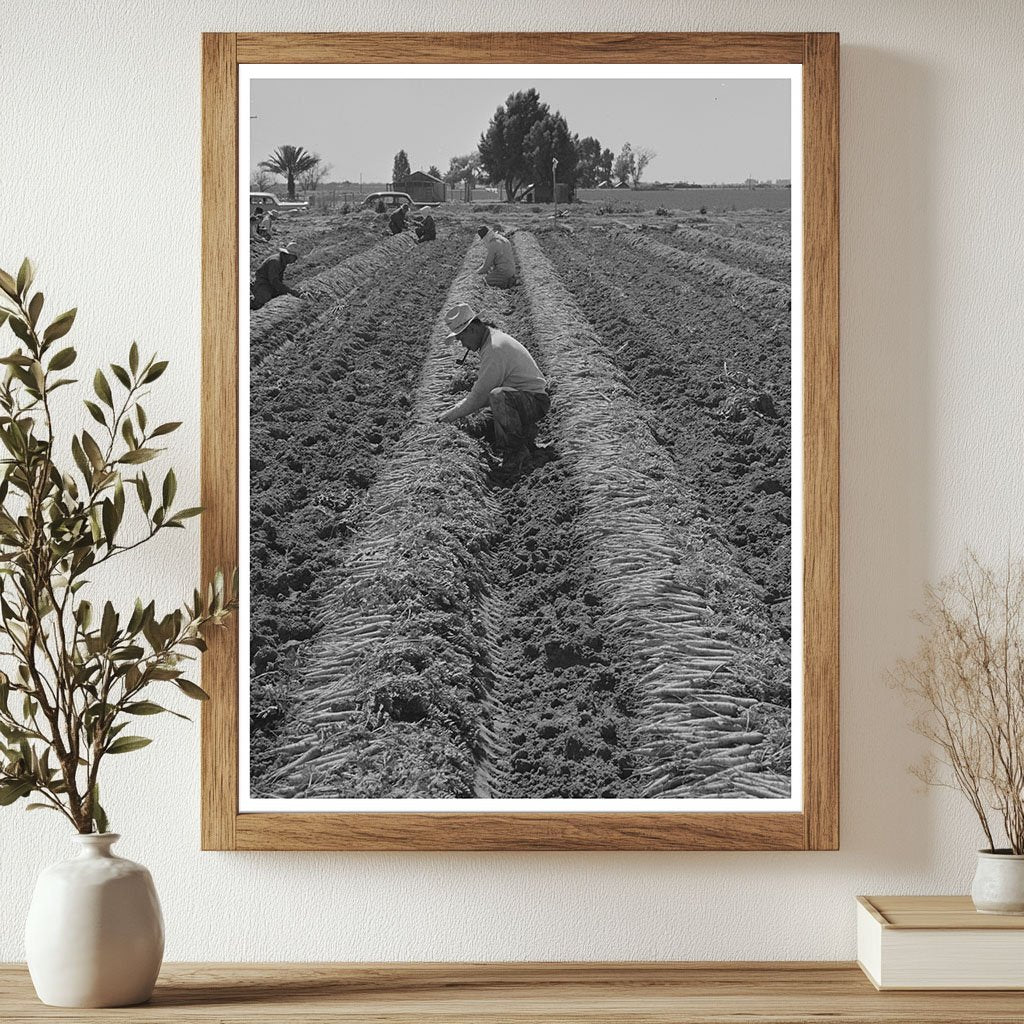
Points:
[289,161]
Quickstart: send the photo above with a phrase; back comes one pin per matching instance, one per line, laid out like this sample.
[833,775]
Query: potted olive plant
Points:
[78,672]
[967,683]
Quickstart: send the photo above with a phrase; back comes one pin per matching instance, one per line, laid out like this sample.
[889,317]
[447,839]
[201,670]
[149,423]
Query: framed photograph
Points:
[520,420]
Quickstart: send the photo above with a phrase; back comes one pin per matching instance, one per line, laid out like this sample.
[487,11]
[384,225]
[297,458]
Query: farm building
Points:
[541,193]
[422,187]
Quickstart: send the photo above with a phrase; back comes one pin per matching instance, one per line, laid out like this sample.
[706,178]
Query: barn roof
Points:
[422,176]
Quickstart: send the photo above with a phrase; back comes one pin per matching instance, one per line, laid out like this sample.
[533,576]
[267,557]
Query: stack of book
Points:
[938,942]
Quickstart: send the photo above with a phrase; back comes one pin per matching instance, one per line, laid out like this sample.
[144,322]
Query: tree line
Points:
[525,136]
[517,151]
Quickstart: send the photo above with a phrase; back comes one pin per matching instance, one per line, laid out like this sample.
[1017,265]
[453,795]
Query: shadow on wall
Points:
[886,293]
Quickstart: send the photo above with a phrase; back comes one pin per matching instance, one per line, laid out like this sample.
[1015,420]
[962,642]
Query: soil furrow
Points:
[322,428]
[630,496]
[764,260]
[326,240]
[563,721]
[770,228]
[289,320]
[389,692]
[763,295]
[734,461]
[560,726]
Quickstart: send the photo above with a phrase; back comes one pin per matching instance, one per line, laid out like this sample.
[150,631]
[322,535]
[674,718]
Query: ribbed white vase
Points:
[95,933]
[999,883]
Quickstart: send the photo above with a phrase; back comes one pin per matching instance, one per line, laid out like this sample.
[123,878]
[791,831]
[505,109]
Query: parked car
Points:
[389,199]
[269,201]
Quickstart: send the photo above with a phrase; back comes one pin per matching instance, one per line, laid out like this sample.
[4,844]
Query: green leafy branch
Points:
[81,674]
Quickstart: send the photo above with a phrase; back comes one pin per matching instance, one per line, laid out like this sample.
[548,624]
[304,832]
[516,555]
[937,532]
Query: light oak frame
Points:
[816,827]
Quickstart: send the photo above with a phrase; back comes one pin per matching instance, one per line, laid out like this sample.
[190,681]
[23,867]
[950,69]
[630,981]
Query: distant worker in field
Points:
[268,282]
[509,383]
[380,207]
[397,221]
[499,265]
[254,222]
[425,229]
[266,228]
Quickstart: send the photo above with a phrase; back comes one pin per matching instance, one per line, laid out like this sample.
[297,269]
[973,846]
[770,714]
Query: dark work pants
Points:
[499,279]
[516,414]
[260,293]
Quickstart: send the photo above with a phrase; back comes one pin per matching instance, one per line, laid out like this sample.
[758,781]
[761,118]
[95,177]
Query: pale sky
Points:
[703,130]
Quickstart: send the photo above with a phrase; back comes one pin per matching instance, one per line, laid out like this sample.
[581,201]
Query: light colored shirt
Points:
[504,363]
[498,255]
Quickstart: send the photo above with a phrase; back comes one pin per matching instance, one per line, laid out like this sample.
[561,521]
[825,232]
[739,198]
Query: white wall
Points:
[99,116]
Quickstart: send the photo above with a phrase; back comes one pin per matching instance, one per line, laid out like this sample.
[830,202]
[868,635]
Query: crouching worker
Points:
[499,265]
[508,383]
[425,230]
[268,282]
[397,221]
[266,228]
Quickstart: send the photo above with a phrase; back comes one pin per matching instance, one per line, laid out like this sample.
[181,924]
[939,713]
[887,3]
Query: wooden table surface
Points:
[552,993]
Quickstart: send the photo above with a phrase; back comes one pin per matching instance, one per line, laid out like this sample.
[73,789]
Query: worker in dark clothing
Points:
[397,220]
[425,230]
[268,282]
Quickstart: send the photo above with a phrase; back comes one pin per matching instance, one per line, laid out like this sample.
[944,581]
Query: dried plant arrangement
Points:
[78,672]
[967,682]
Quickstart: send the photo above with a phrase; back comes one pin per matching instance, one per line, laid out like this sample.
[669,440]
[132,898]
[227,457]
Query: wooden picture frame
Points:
[816,826]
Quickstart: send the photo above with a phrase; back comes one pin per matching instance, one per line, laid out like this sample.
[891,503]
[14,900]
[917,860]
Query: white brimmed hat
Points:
[458,318]
[292,248]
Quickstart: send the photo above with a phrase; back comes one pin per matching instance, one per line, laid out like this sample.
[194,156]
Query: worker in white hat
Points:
[268,282]
[509,385]
[499,265]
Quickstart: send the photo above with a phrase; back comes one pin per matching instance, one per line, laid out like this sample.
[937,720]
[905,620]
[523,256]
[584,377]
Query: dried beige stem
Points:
[967,682]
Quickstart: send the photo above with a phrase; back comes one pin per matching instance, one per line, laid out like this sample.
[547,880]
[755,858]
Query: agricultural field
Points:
[715,200]
[613,623]
[327,239]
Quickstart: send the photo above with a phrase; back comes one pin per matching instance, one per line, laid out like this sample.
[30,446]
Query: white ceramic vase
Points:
[999,883]
[95,934]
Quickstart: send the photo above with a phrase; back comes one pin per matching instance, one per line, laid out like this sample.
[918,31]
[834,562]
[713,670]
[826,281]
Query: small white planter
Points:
[999,883]
[95,934]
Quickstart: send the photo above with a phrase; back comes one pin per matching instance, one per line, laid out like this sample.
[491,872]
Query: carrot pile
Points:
[397,687]
[773,263]
[697,722]
[393,701]
[766,293]
[272,327]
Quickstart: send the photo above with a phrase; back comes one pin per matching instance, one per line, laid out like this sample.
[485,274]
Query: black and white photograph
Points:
[520,438]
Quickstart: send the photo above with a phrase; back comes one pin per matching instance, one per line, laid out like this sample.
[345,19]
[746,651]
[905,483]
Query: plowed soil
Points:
[710,375]
[323,423]
[768,261]
[673,337]
[566,707]
[325,239]
[763,227]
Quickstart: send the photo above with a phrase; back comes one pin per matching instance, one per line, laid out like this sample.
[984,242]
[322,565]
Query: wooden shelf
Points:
[612,993]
